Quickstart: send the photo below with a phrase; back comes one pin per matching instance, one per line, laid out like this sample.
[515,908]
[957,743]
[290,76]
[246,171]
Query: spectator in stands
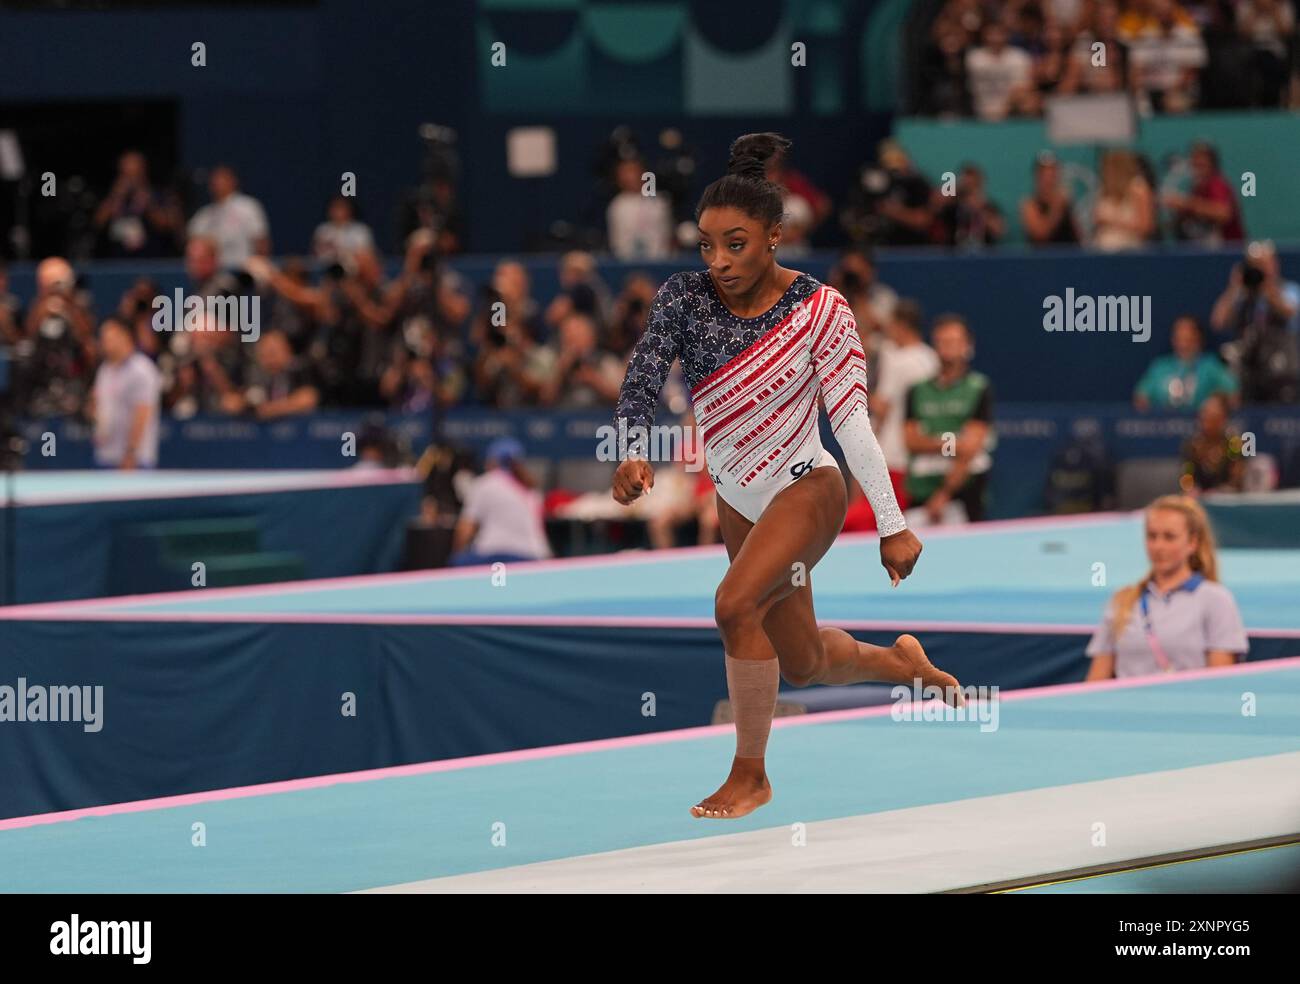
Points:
[943,89]
[901,199]
[341,236]
[999,75]
[1124,214]
[237,222]
[439,212]
[578,373]
[418,382]
[507,300]
[581,291]
[1178,617]
[1048,214]
[1269,25]
[638,226]
[1099,59]
[1212,458]
[203,268]
[501,520]
[1167,54]
[948,432]
[871,301]
[136,311]
[806,205]
[11,312]
[124,402]
[204,380]
[61,329]
[631,308]
[1262,311]
[970,220]
[1051,58]
[1188,377]
[134,220]
[905,361]
[366,304]
[1068,15]
[1208,214]
[299,323]
[432,311]
[277,384]
[510,367]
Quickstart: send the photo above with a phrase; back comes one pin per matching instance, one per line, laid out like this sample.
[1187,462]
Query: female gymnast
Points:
[759,345]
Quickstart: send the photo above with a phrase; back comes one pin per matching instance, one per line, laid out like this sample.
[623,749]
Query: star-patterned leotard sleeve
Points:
[652,358]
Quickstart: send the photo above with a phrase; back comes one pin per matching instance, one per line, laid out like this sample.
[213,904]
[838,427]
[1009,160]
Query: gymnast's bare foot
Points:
[907,662]
[745,790]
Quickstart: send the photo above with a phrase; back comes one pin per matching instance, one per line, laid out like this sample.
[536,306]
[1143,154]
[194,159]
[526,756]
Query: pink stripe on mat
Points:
[600,745]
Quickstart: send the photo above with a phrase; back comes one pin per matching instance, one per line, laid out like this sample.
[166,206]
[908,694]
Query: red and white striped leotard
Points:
[755,385]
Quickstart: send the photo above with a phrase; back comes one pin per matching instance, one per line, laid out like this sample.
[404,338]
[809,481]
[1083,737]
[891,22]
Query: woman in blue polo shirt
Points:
[1178,617]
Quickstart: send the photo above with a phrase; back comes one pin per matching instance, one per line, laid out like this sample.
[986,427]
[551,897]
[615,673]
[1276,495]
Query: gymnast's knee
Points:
[734,609]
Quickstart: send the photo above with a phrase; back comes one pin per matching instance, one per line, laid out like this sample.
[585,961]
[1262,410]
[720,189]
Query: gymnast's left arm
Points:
[841,367]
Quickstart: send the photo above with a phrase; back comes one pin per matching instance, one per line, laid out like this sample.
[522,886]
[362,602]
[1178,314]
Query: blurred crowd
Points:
[1128,205]
[1007,58]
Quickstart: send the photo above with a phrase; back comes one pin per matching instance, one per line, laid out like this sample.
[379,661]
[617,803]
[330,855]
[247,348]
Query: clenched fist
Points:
[634,477]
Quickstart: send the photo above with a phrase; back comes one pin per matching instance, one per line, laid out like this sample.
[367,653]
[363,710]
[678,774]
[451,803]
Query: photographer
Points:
[892,204]
[971,220]
[872,302]
[631,308]
[580,374]
[61,332]
[1262,311]
[133,220]
[510,365]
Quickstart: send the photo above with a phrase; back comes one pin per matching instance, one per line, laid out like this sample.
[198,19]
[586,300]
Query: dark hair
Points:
[1207,148]
[745,185]
[952,318]
[909,313]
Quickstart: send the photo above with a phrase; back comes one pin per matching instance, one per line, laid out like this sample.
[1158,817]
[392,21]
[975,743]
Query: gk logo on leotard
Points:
[801,469]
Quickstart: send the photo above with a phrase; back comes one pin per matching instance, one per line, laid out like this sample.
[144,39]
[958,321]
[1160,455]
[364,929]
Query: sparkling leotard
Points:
[755,385]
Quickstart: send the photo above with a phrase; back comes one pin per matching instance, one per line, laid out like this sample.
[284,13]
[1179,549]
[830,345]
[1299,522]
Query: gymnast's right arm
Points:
[646,371]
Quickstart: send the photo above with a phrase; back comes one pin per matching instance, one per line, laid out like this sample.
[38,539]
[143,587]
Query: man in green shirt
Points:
[1187,378]
[949,428]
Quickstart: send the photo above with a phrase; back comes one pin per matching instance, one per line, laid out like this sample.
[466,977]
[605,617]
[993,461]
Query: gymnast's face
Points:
[734,246]
[1170,543]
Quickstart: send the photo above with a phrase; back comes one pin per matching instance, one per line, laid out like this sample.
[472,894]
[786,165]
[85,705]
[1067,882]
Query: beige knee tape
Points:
[752,685]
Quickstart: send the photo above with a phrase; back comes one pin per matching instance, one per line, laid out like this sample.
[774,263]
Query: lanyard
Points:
[1156,649]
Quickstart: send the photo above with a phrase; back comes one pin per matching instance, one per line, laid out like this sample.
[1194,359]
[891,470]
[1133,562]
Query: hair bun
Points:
[751,154]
